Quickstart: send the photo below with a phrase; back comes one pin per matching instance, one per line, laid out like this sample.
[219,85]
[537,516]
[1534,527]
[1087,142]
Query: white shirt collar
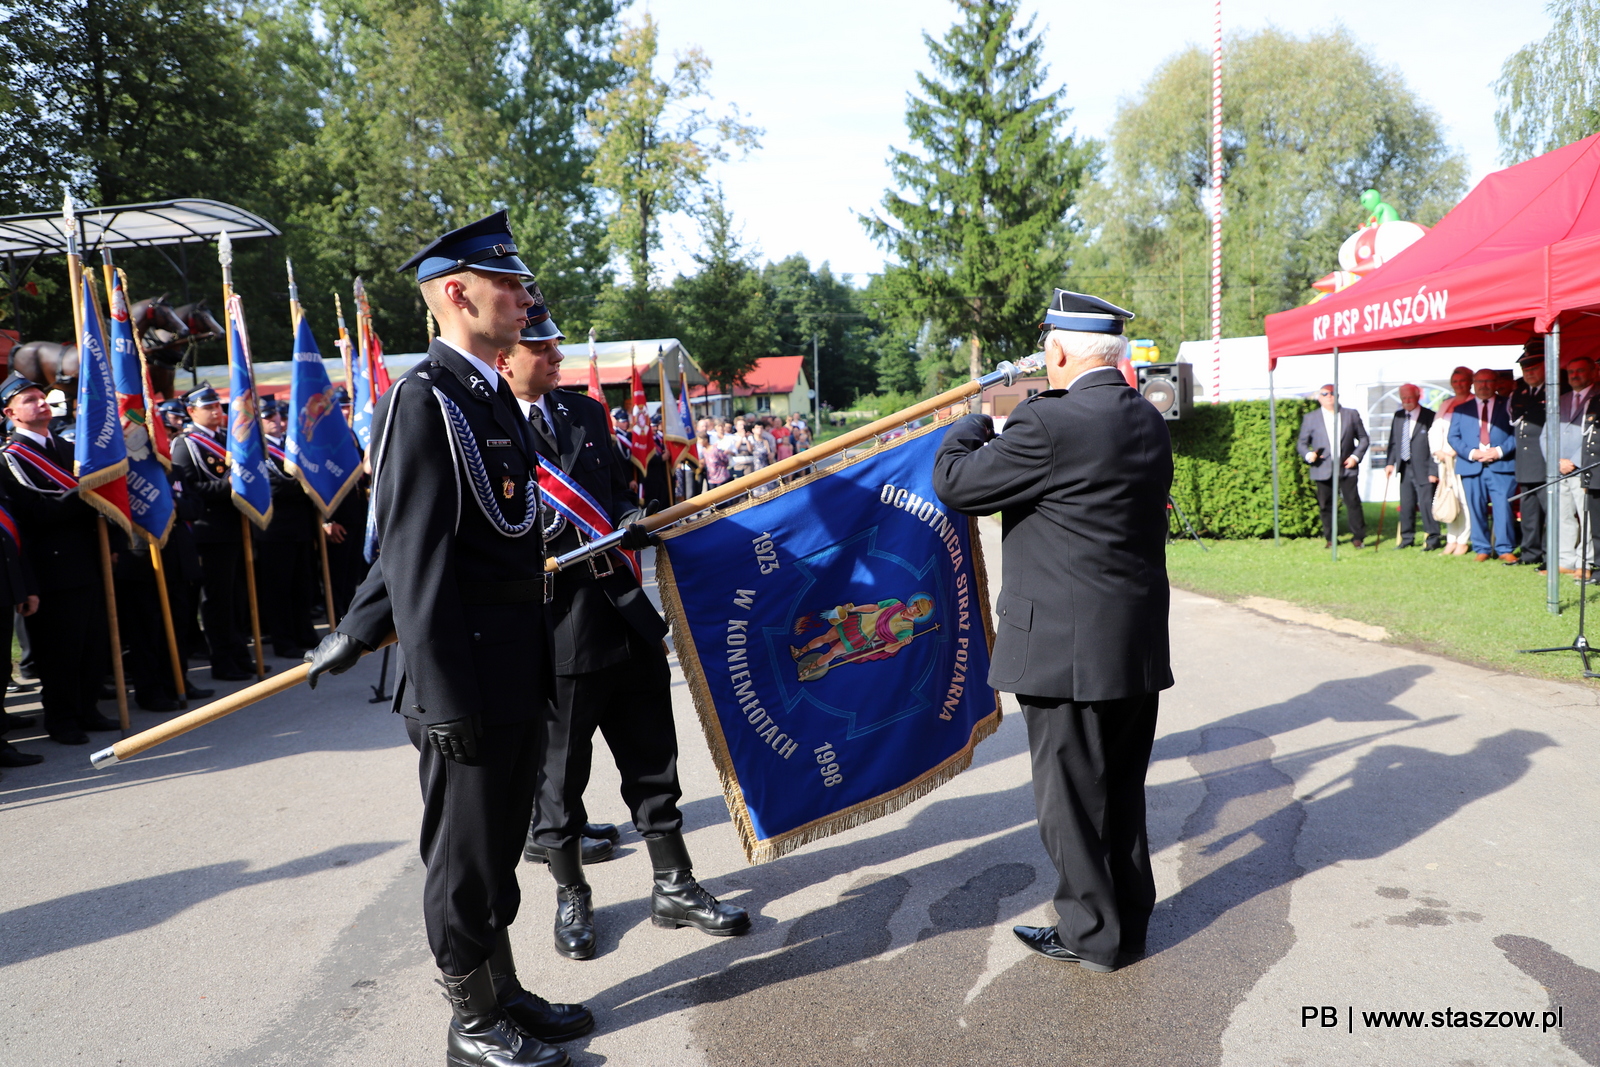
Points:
[30,435]
[1085,374]
[543,404]
[491,377]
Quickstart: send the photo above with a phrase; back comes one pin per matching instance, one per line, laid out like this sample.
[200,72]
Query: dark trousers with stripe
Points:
[474,821]
[631,705]
[1089,764]
[221,573]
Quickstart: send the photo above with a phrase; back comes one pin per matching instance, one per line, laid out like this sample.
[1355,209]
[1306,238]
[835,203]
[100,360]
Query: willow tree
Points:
[979,219]
[1307,125]
[1549,90]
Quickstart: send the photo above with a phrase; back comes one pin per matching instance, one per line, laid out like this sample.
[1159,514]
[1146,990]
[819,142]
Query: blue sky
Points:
[828,82]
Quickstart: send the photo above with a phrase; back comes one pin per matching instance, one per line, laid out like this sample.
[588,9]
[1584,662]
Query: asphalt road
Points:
[1337,824]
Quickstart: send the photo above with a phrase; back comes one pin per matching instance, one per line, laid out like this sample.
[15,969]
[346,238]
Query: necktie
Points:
[1405,440]
[1483,423]
[541,429]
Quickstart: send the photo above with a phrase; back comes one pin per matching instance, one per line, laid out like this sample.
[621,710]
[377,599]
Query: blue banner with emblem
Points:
[150,504]
[247,445]
[322,452]
[836,634]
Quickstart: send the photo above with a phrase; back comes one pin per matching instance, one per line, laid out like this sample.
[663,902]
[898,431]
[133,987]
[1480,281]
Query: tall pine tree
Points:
[979,223]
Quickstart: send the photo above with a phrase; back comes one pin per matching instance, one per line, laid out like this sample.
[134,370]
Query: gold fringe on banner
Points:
[761,850]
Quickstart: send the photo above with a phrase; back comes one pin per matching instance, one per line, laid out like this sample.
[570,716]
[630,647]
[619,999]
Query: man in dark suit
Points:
[1527,419]
[1316,434]
[1409,457]
[1485,447]
[17,588]
[58,531]
[200,461]
[1080,476]
[461,560]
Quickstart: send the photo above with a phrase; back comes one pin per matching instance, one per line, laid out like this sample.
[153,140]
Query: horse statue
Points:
[158,324]
[49,363]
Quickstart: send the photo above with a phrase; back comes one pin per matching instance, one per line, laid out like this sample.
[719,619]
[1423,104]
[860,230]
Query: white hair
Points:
[1107,348]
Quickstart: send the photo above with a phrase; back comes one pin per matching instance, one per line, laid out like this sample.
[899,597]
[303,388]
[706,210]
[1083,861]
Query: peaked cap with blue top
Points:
[483,245]
[541,327]
[1082,313]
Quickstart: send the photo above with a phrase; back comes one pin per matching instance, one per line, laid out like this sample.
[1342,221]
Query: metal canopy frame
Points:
[159,224]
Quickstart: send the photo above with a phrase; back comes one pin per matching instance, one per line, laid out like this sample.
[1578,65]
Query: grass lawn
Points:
[1450,605]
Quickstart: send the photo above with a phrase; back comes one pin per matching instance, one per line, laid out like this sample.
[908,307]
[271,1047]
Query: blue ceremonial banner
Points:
[99,453]
[150,503]
[322,451]
[836,636]
[247,445]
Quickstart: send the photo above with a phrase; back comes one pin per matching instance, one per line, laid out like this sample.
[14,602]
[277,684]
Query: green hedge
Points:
[1222,475]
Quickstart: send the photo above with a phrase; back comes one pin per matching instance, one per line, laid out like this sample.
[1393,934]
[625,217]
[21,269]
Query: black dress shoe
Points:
[69,737]
[9,722]
[97,723]
[160,704]
[1405,544]
[603,830]
[595,850]
[533,1015]
[198,692]
[574,933]
[1431,547]
[11,756]
[232,676]
[1046,942]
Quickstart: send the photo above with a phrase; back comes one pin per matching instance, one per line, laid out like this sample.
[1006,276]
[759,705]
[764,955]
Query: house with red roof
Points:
[777,385]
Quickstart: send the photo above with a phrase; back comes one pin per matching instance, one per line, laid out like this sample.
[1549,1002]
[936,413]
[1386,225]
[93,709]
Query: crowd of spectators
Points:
[733,448]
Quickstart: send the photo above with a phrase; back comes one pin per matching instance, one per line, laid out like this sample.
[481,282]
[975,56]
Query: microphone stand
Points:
[1580,643]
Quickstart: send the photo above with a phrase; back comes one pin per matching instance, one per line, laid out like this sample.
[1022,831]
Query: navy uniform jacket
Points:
[1527,417]
[15,572]
[460,579]
[1080,478]
[590,617]
[205,478]
[57,528]
[294,516]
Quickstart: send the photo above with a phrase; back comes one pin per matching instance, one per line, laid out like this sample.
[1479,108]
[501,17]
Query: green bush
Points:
[1222,476]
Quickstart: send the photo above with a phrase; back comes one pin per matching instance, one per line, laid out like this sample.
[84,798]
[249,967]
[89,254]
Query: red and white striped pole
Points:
[1216,211]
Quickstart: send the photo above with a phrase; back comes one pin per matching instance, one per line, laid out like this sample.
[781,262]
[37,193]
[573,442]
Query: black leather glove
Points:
[456,740]
[334,654]
[635,537]
[980,424]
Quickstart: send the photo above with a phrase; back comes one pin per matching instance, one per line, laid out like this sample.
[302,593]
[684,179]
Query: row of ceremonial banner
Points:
[124,474]
[834,629]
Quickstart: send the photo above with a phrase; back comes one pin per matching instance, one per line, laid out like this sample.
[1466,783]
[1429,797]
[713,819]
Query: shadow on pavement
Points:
[110,911]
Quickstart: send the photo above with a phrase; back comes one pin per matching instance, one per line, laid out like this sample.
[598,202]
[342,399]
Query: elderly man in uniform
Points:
[611,670]
[1528,417]
[456,523]
[200,459]
[1080,477]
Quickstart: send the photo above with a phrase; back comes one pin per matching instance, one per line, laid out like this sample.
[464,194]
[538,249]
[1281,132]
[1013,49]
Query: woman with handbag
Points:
[1449,497]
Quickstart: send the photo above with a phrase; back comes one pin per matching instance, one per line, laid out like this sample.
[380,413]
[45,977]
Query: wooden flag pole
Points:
[156,563]
[112,625]
[130,747]
[80,315]
[327,579]
[225,257]
[344,353]
[1005,373]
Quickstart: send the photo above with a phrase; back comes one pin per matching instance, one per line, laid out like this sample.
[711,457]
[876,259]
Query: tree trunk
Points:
[976,367]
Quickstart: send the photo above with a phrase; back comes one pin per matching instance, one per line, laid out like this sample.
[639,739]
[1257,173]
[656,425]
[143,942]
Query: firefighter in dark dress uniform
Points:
[285,557]
[456,529]
[57,527]
[200,460]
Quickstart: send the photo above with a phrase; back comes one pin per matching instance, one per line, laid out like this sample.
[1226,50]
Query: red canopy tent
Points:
[1520,256]
[1520,253]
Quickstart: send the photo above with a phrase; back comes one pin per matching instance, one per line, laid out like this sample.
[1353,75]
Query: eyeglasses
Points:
[1324,394]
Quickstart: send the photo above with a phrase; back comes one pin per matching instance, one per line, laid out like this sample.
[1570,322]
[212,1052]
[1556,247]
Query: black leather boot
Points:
[679,900]
[595,850]
[533,1015]
[606,830]
[574,933]
[483,1035]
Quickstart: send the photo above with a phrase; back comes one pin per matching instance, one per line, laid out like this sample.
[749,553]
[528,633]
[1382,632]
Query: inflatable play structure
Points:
[1383,237]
